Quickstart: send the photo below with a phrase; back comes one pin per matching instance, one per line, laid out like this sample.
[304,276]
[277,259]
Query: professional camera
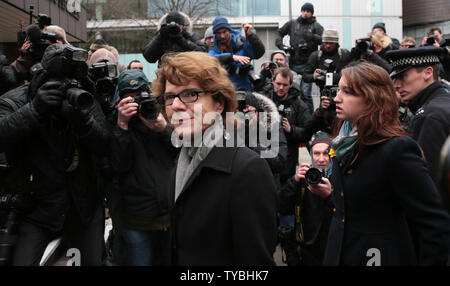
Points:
[147,106]
[242,100]
[39,40]
[77,97]
[104,76]
[273,65]
[283,111]
[172,29]
[431,40]
[302,46]
[364,44]
[314,176]
[330,92]
[250,71]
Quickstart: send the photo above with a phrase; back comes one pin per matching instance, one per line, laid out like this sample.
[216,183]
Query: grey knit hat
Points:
[330,36]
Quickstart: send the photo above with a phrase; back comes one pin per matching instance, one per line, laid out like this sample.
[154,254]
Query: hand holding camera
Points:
[49,97]
[126,111]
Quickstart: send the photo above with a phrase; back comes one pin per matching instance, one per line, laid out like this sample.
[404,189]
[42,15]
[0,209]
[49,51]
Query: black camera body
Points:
[273,65]
[104,77]
[431,40]
[148,108]
[172,29]
[364,44]
[284,111]
[302,46]
[330,92]
[314,176]
[242,100]
[76,96]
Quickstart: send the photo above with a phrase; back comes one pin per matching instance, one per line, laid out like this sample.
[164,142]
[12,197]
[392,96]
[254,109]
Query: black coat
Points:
[302,32]
[430,125]
[142,159]
[226,213]
[380,201]
[299,118]
[40,150]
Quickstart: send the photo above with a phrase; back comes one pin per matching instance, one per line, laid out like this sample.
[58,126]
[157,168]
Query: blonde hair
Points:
[204,69]
[381,39]
[58,31]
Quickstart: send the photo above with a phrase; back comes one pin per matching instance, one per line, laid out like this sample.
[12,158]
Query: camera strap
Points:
[75,161]
[299,235]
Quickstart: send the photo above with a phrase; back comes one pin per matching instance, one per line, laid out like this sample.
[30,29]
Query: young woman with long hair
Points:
[387,210]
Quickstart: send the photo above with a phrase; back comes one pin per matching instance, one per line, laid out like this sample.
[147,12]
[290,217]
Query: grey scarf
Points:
[191,157]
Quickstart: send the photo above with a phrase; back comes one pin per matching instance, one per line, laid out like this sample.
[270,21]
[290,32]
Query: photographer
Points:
[295,117]
[365,50]
[436,39]
[143,156]
[278,58]
[307,241]
[33,47]
[51,130]
[305,37]
[235,51]
[328,61]
[174,35]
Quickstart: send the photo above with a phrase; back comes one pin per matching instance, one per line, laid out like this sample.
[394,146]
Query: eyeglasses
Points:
[407,46]
[186,96]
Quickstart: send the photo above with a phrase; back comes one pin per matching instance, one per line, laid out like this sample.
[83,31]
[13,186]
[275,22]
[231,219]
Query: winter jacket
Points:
[142,159]
[299,118]
[163,42]
[251,47]
[51,160]
[387,210]
[305,37]
[430,125]
[7,75]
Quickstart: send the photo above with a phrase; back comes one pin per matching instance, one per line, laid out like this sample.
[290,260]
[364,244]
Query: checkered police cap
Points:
[401,60]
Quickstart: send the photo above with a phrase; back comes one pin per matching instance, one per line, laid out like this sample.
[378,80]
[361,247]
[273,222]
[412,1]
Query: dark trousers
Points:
[88,240]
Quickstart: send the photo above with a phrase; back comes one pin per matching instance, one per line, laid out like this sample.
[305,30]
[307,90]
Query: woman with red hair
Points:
[387,210]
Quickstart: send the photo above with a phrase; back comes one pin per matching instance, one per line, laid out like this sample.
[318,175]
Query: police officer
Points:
[415,74]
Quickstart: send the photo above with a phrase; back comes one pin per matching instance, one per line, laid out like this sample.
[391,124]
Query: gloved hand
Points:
[49,97]
[79,118]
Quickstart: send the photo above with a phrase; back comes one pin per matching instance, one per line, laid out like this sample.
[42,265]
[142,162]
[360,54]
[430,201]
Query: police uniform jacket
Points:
[226,212]
[50,160]
[430,125]
[387,210]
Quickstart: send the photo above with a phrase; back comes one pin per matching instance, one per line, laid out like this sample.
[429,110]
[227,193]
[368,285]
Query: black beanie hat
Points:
[381,26]
[308,7]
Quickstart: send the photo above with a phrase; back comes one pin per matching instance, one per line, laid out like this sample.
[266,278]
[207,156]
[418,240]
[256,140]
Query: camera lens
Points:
[313,176]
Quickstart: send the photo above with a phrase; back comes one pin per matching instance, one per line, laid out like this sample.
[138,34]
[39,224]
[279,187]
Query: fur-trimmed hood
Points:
[188,27]
[264,104]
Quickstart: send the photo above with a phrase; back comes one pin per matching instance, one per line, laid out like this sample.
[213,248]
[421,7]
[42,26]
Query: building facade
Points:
[352,18]
[419,16]
[68,14]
